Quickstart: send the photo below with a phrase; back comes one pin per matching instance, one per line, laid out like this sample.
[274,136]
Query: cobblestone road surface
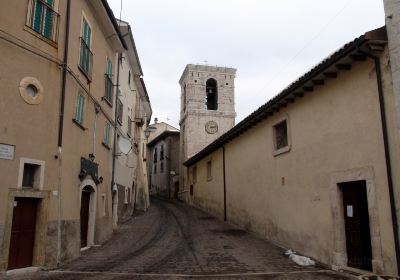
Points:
[174,241]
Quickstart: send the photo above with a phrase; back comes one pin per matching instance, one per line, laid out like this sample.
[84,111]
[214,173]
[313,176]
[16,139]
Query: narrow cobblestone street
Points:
[173,241]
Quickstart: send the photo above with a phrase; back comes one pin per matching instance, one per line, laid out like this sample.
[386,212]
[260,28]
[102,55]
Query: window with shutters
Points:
[107,135]
[108,82]
[86,56]
[80,109]
[120,108]
[155,155]
[162,152]
[43,19]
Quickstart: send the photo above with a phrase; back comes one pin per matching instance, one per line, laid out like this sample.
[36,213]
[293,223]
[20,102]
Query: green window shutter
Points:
[85,48]
[79,109]
[107,134]
[87,33]
[37,18]
[109,68]
[48,20]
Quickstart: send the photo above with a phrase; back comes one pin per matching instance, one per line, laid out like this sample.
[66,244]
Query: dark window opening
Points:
[28,179]
[281,135]
[162,152]
[155,155]
[162,167]
[212,94]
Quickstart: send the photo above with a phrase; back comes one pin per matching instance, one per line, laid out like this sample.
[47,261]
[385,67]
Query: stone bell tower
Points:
[207,109]
[207,106]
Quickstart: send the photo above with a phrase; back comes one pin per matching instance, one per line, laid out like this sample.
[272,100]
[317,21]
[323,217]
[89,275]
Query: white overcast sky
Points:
[270,42]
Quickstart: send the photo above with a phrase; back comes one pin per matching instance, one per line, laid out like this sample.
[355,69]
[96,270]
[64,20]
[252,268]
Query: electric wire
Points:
[308,43]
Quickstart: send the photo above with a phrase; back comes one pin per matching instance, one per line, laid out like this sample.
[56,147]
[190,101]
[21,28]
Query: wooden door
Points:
[358,238]
[85,203]
[22,233]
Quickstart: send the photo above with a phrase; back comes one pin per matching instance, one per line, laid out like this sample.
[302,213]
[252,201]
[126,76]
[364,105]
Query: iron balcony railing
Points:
[108,89]
[86,59]
[43,19]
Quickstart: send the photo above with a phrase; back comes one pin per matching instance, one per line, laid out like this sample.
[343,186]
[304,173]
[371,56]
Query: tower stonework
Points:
[207,108]
[203,123]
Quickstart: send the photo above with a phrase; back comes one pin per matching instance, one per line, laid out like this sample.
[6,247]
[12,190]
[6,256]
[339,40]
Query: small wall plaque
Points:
[7,151]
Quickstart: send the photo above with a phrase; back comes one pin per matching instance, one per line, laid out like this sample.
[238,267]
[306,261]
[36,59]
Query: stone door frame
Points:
[41,225]
[92,208]
[339,252]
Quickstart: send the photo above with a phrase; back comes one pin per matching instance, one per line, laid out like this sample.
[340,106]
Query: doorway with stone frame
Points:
[340,258]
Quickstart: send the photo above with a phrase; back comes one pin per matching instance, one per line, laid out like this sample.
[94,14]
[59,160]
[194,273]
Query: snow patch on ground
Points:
[300,260]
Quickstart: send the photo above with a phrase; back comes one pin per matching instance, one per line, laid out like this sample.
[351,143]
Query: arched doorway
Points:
[87,213]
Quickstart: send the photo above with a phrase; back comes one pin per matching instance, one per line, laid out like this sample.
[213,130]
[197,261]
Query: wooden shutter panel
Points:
[48,20]
[37,19]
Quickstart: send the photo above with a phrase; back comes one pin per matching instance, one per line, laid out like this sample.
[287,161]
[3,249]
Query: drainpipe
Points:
[387,155]
[61,127]
[223,170]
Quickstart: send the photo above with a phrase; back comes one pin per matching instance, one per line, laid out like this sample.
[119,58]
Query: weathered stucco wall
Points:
[291,198]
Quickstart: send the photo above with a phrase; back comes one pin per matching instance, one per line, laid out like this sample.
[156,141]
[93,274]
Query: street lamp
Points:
[149,130]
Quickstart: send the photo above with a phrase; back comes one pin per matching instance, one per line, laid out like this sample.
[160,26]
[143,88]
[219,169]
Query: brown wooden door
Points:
[85,202]
[22,233]
[358,238]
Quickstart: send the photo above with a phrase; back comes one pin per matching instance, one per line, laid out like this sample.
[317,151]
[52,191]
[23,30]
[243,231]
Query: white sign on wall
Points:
[7,151]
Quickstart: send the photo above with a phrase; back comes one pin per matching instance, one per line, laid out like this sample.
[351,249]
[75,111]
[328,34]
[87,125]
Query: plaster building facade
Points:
[207,110]
[312,168]
[57,113]
[164,166]
[133,111]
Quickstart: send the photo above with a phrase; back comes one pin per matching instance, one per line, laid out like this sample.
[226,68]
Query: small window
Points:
[120,108]
[155,168]
[108,82]
[107,133]
[162,167]
[129,78]
[79,109]
[31,175]
[281,135]
[162,152]
[209,170]
[155,155]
